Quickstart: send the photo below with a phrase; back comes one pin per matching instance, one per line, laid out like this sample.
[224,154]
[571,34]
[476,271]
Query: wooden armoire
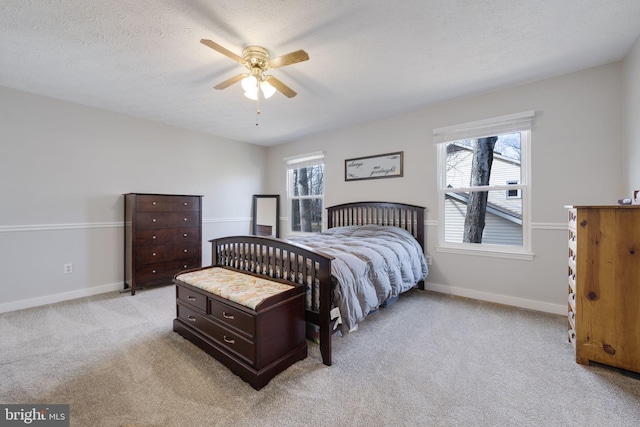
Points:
[604,285]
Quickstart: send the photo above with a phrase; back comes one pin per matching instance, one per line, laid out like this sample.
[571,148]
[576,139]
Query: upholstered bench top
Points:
[241,288]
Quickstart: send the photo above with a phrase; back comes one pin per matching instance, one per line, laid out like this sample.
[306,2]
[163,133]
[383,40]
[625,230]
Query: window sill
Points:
[488,252]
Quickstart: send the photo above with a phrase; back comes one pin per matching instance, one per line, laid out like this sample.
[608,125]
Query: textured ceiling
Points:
[369,59]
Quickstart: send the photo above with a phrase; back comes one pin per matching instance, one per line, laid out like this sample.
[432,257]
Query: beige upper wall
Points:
[577,155]
[63,170]
[632,119]
[66,163]
[576,145]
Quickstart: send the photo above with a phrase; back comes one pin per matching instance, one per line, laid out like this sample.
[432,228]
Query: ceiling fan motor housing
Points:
[256,57]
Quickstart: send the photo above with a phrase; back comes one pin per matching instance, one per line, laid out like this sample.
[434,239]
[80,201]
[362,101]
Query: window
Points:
[305,192]
[484,194]
[513,194]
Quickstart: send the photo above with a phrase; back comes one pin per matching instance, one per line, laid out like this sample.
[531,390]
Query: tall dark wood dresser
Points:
[162,235]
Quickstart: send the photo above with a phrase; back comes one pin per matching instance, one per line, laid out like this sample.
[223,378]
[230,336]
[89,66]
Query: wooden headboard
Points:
[408,217]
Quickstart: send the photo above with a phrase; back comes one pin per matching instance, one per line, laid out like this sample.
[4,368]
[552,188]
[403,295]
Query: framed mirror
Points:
[266,215]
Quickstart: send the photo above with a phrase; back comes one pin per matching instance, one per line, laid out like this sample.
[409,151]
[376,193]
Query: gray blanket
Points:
[372,264]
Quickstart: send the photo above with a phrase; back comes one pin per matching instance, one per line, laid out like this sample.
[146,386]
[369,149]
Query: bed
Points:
[309,262]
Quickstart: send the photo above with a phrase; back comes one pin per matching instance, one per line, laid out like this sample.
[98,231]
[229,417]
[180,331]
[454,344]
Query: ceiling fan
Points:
[257,61]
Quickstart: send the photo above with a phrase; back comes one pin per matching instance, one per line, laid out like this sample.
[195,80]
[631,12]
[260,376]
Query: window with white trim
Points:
[305,192]
[484,186]
[515,193]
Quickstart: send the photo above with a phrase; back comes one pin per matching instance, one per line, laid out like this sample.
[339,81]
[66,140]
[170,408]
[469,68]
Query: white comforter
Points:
[372,263]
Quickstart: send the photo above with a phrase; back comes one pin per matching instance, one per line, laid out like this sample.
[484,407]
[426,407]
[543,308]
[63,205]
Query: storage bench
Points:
[253,325]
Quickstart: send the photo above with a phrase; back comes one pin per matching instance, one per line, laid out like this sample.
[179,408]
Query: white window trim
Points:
[295,162]
[301,160]
[520,122]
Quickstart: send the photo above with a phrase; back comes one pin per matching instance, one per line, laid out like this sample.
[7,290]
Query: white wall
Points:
[632,119]
[63,170]
[576,159]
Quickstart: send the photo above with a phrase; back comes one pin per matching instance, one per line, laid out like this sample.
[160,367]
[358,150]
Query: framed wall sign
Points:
[371,167]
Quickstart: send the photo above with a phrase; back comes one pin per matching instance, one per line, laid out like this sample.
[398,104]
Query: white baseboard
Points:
[64,296]
[467,293]
[499,299]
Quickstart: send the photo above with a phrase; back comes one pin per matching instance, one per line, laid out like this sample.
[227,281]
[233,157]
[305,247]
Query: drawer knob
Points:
[186,204]
[153,237]
[154,220]
[184,266]
[192,319]
[227,315]
[153,203]
[229,340]
[185,235]
[153,254]
[186,250]
[190,298]
[153,271]
[185,219]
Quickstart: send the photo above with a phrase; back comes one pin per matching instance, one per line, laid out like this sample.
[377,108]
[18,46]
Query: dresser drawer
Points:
[573,218]
[165,271]
[168,220]
[572,260]
[164,203]
[233,318]
[572,280]
[166,236]
[155,254]
[190,297]
[572,301]
[223,336]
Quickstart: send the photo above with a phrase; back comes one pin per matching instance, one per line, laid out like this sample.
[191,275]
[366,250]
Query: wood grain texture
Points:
[607,318]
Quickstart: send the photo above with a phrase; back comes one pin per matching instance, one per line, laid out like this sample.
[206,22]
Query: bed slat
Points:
[408,217]
[291,262]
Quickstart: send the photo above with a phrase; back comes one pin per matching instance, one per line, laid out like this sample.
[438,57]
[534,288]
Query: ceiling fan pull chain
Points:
[257,108]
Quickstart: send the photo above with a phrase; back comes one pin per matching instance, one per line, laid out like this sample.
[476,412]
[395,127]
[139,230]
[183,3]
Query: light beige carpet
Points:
[428,360]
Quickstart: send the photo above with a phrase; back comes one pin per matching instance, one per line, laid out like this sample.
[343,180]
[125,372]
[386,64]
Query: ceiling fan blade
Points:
[225,84]
[228,53]
[283,88]
[289,58]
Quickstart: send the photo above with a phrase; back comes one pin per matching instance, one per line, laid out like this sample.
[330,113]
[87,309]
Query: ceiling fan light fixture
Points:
[250,83]
[252,94]
[267,89]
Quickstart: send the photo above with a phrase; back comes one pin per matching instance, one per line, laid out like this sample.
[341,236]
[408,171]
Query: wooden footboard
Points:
[289,261]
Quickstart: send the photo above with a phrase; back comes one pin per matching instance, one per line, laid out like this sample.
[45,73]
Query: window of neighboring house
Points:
[305,192]
[513,194]
[484,190]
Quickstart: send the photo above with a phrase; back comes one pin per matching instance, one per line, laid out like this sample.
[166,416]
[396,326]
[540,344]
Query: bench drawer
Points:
[226,338]
[233,318]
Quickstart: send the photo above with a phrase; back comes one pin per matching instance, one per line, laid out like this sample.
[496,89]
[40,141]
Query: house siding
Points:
[498,230]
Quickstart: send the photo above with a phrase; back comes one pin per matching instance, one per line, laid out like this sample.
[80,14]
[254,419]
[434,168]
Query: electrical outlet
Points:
[68,268]
[428,258]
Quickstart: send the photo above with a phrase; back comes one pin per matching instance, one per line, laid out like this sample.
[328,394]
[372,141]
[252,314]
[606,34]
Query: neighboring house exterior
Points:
[504,210]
